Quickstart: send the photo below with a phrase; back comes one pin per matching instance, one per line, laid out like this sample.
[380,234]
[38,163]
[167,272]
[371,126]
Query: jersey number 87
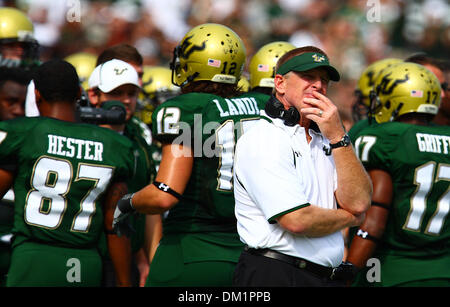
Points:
[51,181]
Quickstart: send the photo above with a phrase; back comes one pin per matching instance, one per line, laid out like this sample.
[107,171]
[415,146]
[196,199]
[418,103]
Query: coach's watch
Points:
[344,142]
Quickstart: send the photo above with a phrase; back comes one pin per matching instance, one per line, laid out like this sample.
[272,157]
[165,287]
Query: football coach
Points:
[297,182]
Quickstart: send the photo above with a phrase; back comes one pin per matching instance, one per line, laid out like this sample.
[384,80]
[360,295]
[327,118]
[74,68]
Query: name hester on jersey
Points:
[70,147]
[433,143]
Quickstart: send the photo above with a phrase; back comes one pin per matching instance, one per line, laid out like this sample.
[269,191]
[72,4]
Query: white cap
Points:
[112,74]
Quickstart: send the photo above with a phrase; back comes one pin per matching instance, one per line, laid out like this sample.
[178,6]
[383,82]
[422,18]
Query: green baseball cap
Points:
[307,61]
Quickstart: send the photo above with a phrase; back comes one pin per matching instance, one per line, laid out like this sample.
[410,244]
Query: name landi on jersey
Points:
[433,143]
[238,106]
[70,147]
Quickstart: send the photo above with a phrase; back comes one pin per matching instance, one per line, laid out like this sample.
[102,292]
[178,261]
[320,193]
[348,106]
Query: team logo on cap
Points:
[318,58]
[119,71]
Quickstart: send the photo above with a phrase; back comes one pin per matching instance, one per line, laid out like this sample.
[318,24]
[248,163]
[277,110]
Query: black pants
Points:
[260,271]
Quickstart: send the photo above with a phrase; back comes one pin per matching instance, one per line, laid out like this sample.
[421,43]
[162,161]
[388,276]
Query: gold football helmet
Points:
[18,47]
[211,52]
[365,85]
[262,65]
[84,64]
[157,87]
[405,88]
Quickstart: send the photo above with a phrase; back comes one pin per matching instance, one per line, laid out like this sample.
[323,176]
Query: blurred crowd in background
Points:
[350,32]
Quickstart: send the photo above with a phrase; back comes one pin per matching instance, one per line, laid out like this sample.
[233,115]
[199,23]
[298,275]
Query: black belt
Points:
[300,263]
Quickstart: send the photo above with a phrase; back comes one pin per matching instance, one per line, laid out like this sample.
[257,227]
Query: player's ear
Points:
[93,95]
[38,97]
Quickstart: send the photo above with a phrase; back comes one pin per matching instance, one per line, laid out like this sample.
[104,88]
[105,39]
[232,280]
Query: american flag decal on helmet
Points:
[214,63]
[263,67]
[416,93]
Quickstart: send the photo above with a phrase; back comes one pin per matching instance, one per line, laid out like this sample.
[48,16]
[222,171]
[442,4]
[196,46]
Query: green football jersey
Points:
[210,125]
[418,228]
[62,171]
[358,127]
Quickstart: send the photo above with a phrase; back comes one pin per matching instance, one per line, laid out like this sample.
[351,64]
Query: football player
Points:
[13,89]
[18,47]
[365,84]
[198,129]
[262,66]
[437,67]
[407,229]
[18,52]
[67,177]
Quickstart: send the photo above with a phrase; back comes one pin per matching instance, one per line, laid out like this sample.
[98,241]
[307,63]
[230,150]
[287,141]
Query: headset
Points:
[111,112]
[275,109]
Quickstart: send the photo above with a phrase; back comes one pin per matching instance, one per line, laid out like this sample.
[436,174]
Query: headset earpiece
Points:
[275,109]
[291,117]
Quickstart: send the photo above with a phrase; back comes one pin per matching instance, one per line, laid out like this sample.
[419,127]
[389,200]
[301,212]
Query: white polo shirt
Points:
[276,171]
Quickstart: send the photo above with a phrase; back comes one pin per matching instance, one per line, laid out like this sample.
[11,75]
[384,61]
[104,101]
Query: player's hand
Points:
[122,213]
[346,271]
